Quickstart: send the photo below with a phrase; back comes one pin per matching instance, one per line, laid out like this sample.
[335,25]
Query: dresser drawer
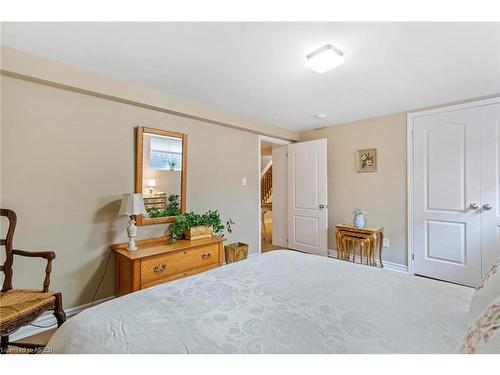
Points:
[154,200]
[165,265]
[179,276]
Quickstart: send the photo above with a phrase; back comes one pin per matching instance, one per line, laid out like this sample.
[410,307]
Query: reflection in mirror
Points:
[161,179]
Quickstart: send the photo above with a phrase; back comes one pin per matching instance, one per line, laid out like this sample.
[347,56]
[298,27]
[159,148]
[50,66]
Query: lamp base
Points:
[131,232]
[131,246]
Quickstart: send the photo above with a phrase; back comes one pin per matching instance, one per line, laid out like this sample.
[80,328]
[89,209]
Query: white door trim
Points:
[279,236]
[278,141]
[410,162]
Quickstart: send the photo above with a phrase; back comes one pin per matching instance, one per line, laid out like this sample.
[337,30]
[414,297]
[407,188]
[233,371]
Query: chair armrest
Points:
[49,255]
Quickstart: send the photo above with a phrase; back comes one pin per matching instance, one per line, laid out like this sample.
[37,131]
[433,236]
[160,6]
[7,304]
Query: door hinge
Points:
[412,256]
[413,133]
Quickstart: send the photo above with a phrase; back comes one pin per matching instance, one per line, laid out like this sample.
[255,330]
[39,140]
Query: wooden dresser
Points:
[157,261]
[158,201]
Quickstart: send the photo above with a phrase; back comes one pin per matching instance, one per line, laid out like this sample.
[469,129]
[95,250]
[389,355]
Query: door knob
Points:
[321,206]
[474,206]
[487,207]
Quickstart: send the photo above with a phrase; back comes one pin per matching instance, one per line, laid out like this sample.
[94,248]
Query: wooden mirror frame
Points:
[139,143]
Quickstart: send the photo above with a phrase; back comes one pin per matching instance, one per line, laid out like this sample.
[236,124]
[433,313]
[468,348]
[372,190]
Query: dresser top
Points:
[161,245]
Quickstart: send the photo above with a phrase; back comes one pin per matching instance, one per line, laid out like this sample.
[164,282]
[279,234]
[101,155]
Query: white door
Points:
[490,181]
[447,196]
[307,197]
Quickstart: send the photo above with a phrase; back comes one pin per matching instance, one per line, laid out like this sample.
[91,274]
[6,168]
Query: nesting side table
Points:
[367,239]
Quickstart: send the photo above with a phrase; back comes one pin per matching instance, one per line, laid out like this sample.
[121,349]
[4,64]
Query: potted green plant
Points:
[172,208]
[173,205]
[195,226]
[172,163]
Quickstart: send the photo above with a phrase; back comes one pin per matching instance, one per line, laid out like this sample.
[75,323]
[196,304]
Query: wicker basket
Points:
[236,252]
[196,233]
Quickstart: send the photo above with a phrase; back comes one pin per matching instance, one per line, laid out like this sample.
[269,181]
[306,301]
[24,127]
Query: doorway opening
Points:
[272,197]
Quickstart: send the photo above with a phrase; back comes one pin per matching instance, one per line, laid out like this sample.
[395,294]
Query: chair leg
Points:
[5,344]
[58,310]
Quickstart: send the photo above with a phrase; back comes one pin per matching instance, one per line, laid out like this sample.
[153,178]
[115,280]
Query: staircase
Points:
[266,185]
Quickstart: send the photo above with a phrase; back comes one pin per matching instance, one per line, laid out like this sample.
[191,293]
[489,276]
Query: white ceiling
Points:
[257,70]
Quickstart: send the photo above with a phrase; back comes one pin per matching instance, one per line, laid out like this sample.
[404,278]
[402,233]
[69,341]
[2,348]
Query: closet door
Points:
[447,195]
[490,180]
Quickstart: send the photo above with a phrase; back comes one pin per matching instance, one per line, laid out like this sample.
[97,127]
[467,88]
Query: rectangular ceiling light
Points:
[324,59]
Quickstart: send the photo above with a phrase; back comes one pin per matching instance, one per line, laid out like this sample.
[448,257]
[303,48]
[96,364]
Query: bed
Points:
[278,302]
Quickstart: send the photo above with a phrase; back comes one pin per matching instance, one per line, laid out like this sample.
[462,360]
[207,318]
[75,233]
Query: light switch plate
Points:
[244,181]
[386,242]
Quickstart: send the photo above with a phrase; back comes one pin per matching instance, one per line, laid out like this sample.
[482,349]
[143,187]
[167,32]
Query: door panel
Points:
[306,168]
[446,167]
[307,197]
[446,241]
[447,155]
[307,230]
[490,179]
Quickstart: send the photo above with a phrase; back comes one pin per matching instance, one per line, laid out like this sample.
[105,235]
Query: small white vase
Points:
[359,221]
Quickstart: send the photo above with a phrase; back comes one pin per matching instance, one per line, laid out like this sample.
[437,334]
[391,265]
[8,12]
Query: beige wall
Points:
[381,194]
[26,65]
[67,157]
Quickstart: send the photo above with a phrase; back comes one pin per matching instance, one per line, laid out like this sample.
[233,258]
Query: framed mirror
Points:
[160,174]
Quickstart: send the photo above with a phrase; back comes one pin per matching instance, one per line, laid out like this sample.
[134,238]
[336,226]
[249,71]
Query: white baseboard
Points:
[387,265]
[48,321]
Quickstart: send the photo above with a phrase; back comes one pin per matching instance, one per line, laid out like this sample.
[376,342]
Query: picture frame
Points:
[366,160]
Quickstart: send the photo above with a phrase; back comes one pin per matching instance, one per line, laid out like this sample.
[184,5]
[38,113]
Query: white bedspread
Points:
[278,302]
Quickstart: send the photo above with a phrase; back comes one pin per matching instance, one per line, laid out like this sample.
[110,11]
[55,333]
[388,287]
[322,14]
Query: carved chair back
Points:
[7,243]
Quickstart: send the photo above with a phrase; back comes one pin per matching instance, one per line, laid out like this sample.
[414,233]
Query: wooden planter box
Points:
[196,233]
[236,252]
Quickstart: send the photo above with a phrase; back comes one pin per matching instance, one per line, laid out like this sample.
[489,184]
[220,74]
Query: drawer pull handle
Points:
[206,256]
[159,268]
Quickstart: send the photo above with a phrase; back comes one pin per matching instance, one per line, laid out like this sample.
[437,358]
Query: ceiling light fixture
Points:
[320,116]
[324,59]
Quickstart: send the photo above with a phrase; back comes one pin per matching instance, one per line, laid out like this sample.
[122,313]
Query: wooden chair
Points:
[19,307]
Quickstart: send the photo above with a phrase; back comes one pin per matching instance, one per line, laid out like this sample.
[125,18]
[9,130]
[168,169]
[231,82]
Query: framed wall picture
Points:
[366,160]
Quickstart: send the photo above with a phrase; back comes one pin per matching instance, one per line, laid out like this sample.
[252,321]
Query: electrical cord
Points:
[102,278]
[93,297]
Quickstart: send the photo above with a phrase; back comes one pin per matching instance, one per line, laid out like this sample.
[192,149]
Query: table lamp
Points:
[151,185]
[132,204]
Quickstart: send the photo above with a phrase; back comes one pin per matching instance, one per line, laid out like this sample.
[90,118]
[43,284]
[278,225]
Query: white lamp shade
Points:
[152,183]
[132,204]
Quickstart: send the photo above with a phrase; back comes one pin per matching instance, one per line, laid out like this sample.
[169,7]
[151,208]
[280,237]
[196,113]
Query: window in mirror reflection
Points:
[165,153]
[162,175]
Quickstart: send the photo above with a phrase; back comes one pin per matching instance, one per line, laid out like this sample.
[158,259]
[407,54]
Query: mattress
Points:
[278,302]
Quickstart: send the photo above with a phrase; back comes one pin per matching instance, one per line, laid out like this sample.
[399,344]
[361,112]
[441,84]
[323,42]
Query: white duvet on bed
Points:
[277,302]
